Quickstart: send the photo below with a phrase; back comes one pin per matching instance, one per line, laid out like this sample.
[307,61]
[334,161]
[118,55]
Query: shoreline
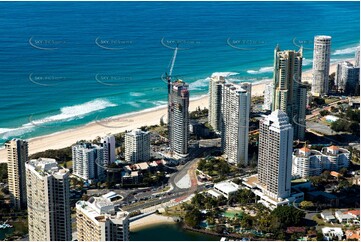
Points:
[128,121]
[150,221]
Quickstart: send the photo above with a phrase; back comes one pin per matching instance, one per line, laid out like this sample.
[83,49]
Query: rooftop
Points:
[353,212]
[226,187]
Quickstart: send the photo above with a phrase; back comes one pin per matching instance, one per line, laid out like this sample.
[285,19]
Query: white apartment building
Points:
[275,155]
[236,104]
[137,146]
[99,220]
[334,158]
[307,162]
[17,155]
[321,65]
[88,162]
[347,77]
[108,143]
[268,96]
[48,199]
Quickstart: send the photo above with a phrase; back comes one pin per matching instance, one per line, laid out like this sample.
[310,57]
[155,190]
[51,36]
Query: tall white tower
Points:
[321,65]
[17,155]
[48,198]
[236,103]
[275,155]
[289,92]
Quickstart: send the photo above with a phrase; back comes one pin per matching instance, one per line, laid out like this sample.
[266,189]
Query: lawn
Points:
[232,213]
[175,211]
[331,100]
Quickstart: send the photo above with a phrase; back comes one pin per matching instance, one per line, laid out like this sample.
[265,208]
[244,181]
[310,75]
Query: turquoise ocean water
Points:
[65,64]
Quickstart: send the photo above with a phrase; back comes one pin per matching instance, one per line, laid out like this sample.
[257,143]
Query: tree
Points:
[306,204]
[315,180]
[343,171]
[288,216]
[343,184]
[193,218]
[324,112]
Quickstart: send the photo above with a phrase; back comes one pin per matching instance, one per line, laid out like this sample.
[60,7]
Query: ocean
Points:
[65,64]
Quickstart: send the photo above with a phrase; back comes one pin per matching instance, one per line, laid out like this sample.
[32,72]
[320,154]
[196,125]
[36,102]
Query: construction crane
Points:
[169,75]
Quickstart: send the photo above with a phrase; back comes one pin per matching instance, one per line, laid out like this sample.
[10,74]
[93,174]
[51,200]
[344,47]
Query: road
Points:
[176,192]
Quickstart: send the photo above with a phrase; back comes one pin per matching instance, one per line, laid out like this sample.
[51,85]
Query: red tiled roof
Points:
[353,212]
[305,149]
[333,147]
[335,174]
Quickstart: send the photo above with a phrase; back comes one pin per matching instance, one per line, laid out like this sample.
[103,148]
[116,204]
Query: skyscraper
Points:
[275,155]
[268,96]
[357,57]
[48,201]
[137,146]
[236,103]
[108,143]
[321,65]
[215,102]
[98,220]
[289,92]
[17,155]
[347,78]
[178,117]
[88,161]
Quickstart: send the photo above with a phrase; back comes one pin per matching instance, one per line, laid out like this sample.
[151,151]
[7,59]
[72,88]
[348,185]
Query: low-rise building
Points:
[307,162]
[353,234]
[343,217]
[258,189]
[328,217]
[226,188]
[332,233]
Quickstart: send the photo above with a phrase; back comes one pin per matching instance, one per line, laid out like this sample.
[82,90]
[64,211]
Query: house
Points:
[330,233]
[344,217]
[354,213]
[335,174]
[328,217]
[353,234]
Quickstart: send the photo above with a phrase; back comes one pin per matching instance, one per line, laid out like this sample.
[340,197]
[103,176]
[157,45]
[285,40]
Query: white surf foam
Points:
[136,94]
[345,51]
[261,70]
[67,113]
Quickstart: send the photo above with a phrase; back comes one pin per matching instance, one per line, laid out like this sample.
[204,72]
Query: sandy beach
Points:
[150,220]
[122,123]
